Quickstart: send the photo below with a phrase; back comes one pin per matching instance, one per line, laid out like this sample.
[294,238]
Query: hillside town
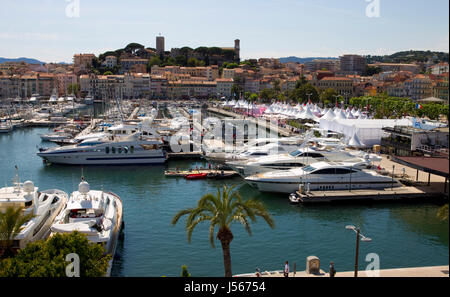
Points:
[214,73]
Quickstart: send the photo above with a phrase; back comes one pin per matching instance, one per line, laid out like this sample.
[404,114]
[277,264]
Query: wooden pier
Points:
[212,173]
[185,155]
[394,194]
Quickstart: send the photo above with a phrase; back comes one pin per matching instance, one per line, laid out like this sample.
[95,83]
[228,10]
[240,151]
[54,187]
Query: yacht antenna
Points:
[17,179]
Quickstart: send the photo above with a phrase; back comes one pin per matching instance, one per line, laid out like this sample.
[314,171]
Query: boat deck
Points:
[399,193]
[212,173]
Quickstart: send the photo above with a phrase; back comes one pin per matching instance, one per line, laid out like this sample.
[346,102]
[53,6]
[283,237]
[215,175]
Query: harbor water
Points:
[403,235]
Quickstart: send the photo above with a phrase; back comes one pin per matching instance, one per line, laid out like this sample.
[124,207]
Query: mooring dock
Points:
[394,194]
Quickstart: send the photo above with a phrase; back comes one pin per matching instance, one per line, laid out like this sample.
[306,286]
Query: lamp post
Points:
[363,238]
[336,96]
[309,97]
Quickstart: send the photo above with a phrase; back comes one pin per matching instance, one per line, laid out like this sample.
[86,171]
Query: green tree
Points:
[73,89]
[11,224]
[133,47]
[154,61]
[301,94]
[267,94]
[328,95]
[253,97]
[184,271]
[108,73]
[236,89]
[193,62]
[301,82]
[221,210]
[48,258]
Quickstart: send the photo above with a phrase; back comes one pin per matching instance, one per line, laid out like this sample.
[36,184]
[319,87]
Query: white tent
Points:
[355,142]
[368,131]
[329,115]
[340,114]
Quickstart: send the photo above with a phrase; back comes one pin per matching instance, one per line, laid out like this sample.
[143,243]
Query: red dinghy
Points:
[197,176]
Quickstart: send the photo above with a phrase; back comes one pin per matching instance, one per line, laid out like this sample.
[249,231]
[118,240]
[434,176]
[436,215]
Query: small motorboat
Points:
[197,176]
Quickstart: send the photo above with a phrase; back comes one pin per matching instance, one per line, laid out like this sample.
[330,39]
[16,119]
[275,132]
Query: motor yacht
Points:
[89,100]
[44,205]
[6,126]
[297,158]
[110,150]
[254,148]
[98,214]
[321,176]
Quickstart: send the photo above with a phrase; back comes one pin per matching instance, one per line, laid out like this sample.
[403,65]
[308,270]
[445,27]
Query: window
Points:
[325,171]
[132,149]
[344,171]
[308,168]
[113,150]
[119,150]
[107,149]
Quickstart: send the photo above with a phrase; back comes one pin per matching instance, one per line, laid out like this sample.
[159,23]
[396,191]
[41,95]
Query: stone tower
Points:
[237,49]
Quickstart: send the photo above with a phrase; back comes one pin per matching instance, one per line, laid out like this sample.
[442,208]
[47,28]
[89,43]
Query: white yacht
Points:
[89,100]
[321,176]
[6,126]
[255,148]
[44,205]
[55,136]
[53,97]
[111,150]
[97,214]
[298,158]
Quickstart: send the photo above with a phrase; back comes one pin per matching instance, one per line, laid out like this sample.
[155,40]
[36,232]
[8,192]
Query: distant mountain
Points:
[26,60]
[304,60]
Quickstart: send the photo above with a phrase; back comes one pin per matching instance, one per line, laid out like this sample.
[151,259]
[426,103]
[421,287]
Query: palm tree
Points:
[11,222]
[221,211]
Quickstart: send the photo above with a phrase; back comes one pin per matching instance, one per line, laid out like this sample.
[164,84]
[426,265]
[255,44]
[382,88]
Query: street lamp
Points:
[363,238]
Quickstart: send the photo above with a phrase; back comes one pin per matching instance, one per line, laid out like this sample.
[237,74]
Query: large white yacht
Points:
[298,158]
[89,100]
[321,176]
[97,214]
[44,205]
[6,126]
[255,148]
[110,150]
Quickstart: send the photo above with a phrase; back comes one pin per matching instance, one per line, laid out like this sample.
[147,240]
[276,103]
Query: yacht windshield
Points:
[295,153]
[308,168]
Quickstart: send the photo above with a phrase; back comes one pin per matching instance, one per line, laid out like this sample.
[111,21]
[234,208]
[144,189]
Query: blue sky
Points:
[41,29]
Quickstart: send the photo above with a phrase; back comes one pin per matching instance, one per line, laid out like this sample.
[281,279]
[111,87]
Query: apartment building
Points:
[352,64]
[440,68]
[342,85]
[82,62]
[224,86]
[110,62]
[201,89]
[396,67]
[134,65]
[419,87]
[322,64]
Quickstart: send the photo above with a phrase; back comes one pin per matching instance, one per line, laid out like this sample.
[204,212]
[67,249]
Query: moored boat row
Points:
[97,214]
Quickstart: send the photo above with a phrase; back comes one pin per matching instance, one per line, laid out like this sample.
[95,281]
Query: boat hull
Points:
[289,187]
[102,160]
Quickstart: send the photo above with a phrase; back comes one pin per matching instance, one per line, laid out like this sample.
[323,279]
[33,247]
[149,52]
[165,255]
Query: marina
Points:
[153,193]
